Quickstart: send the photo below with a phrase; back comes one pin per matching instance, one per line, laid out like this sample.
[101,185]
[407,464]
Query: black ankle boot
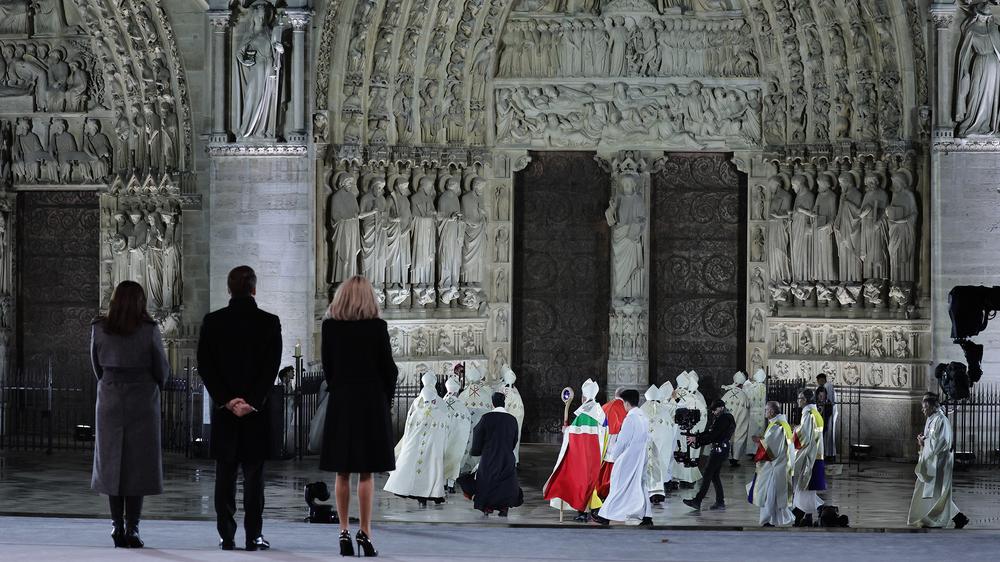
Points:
[132,539]
[118,534]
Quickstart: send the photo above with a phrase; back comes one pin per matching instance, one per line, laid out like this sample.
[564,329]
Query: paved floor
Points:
[874,495]
[34,539]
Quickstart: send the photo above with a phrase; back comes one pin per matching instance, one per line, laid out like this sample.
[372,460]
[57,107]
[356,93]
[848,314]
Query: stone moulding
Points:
[264,150]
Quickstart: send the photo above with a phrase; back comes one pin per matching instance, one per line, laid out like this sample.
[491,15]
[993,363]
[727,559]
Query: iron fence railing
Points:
[976,426]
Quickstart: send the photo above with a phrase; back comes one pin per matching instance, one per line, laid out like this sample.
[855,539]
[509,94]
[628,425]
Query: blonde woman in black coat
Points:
[361,379]
[131,367]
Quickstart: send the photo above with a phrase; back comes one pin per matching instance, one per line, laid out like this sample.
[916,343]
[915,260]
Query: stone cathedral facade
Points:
[619,190]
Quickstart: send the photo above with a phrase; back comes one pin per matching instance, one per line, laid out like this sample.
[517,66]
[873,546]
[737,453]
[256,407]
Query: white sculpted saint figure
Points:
[801,237]
[902,219]
[345,229]
[474,246]
[451,234]
[627,216]
[875,243]
[137,241]
[424,240]
[373,209]
[119,248]
[779,215]
[398,234]
[258,63]
[848,228]
[172,286]
[977,72]
[154,261]
[824,212]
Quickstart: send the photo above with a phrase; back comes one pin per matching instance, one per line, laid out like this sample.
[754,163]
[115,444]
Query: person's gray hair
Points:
[773,405]
[932,398]
[619,391]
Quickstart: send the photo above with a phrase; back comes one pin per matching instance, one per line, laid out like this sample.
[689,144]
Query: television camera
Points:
[686,419]
[971,309]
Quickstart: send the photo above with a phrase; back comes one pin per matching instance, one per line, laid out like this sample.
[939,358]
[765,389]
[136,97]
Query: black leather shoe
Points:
[693,504]
[600,520]
[132,539]
[258,544]
[960,520]
[227,545]
[646,523]
[582,517]
[717,506]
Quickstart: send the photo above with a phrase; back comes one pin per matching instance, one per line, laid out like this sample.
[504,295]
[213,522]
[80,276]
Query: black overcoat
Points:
[239,352]
[493,440]
[361,378]
[130,371]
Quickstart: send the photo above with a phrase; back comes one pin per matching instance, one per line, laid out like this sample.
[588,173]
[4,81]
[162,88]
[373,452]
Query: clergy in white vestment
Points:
[809,469]
[477,398]
[659,409]
[932,505]
[515,406]
[771,487]
[629,496]
[738,405]
[756,391]
[459,432]
[687,475]
[419,470]
[702,406]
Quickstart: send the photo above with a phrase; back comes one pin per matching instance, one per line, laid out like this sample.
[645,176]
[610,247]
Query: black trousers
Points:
[126,509]
[226,473]
[712,476]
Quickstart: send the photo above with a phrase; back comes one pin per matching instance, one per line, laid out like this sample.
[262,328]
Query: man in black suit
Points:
[718,435]
[239,353]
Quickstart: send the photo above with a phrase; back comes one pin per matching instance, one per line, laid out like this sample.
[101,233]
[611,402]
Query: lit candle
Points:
[298,349]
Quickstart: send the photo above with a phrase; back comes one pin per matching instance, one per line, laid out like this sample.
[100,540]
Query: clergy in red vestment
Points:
[614,412]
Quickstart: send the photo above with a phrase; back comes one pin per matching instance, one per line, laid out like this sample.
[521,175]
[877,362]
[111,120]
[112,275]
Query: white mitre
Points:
[473,373]
[589,390]
[452,385]
[666,391]
[428,392]
[508,376]
[739,378]
[652,393]
[759,376]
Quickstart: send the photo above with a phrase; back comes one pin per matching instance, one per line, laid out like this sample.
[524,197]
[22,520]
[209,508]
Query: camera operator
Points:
[718,435]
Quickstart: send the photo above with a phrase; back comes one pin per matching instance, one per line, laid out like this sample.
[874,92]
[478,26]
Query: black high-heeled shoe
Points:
[346,544]
[365,545]
[118,535]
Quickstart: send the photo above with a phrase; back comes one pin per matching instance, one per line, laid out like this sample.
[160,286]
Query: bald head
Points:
[771,409]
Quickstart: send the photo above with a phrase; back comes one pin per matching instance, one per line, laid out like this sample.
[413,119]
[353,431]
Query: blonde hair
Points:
[354,300]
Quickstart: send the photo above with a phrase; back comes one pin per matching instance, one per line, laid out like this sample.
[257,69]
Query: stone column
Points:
[299,20]
[219,20]
[943,15]
[628,215]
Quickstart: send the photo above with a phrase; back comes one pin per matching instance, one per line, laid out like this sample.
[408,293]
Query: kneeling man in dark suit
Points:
[494,486]
[239,352]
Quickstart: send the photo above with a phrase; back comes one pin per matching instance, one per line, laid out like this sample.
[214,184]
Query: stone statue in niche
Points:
[801,235]
[15,17]
[760,204]
[626,214]
[421,345]
[424,241]
[500,286]
[65,151]
[806,346]
[901,215]
[876,377]
[444,343]
[757,326]
[373,209]
[757,286]
[173,292]
[31,163]
[501,251]
[97,146]
[500,202]
[320,126]
[501,325]
[900,347]
[782,345]
[474,246]
[877,349]
[154,260]
[757,245]
[118,244]
[399,232]
[343,216]
[756,360]
[779,217]
[977,70]
[137,240]
[847,228]
[450,238]
[824,213]
[830,341]
[874,238]
[258,76]
[499,360]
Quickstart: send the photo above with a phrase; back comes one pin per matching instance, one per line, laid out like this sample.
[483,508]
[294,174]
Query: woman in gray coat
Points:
[131,368]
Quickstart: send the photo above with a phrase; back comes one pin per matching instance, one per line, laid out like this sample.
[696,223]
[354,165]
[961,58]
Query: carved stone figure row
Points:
[850,342]
[144,246]
[427,245]
[627,46]
[53,80]
[815,234]
[592,6]
[444,340]
[629,336]
[848,373]
[589,115]
[21,17]
[61,158]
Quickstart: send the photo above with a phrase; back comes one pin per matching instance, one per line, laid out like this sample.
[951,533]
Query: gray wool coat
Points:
[130,371]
